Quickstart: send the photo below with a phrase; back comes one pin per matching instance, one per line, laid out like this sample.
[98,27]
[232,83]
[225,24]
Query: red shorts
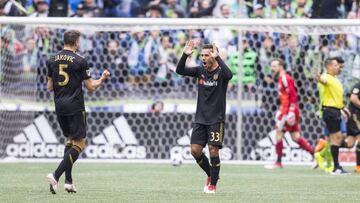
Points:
[296,126]
[283,124]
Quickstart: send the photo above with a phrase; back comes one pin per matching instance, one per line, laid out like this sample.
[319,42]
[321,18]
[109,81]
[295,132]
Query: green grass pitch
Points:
[25,182]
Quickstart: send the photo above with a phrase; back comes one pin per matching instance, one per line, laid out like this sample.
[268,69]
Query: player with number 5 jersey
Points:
[66,73]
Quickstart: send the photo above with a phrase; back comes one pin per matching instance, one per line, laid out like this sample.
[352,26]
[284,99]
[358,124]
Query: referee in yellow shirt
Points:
[333,107]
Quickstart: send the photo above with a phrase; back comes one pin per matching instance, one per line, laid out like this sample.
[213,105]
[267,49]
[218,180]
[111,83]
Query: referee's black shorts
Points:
[73,126]
[332,118]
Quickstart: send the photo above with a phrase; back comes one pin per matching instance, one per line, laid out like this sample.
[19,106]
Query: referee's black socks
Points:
[335,153]
[203,162]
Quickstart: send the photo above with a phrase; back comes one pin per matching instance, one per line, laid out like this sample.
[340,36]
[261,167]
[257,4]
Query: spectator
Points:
[168,59]
[11,8]
[258,11]
[172,8]
[273,10]
[79,11]
[116,8]
[58,8]
[202,8]
[30,58]
[301,8]
[224,11]
[91,9]
[325,8]
[155,11]
[41,9]
[220,36]
[138,7]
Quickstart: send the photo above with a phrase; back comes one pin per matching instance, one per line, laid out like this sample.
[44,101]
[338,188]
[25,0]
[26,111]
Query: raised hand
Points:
[215,52]
[105,75]
[317,77]
[189,47]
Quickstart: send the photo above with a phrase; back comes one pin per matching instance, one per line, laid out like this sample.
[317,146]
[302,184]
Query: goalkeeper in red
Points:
[213,77]
[288,116]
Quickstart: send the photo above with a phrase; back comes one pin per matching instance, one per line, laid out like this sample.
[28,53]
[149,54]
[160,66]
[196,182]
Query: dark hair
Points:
[71,37]
[222,6]
[339,59]
[279,60]
[329,60]
[208,46]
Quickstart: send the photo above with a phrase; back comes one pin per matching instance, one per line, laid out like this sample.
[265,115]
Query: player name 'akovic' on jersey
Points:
[67,70]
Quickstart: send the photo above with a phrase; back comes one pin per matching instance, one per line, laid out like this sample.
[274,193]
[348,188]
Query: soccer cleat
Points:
[329,169]
[208,181]
[274,166]
[339,171]
[52,182]
[315,165]
[211,189]
[70,188]
[319,160]
[320,145]
[357,169]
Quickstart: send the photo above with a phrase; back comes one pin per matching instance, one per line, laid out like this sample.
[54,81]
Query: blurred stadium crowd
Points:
[183,8]
[144,62]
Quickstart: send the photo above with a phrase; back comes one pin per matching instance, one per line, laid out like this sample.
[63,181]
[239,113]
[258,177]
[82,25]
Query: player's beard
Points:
[276,75]
[208,64]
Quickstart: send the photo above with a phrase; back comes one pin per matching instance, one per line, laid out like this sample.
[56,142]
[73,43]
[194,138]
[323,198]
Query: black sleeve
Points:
[356,89]
[85,72]
[182,70]
[49,74]
[224,68]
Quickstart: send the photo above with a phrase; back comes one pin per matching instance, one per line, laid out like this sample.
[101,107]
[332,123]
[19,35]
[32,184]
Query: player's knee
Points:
[336,138]
[279,135]
[68,142]
[213,150]
[295,137]
[195,152]
[80,143]
[358,138]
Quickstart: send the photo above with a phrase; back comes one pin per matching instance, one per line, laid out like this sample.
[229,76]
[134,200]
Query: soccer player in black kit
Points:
[66,73]
[213,76]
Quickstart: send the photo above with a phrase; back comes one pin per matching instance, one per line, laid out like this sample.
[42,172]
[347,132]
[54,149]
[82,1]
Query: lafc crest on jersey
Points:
[216,76]
[355,91]
[88,72]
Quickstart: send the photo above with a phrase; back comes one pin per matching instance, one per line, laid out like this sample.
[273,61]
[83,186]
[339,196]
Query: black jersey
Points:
[67,70]
[356,91]
[212,86]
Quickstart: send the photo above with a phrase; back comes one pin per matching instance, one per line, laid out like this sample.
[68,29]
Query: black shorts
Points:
[352,126]
[208,134]
[73,126]
[332,118]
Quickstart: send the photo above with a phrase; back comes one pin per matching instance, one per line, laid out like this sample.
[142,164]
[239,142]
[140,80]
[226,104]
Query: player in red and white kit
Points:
[288,116]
